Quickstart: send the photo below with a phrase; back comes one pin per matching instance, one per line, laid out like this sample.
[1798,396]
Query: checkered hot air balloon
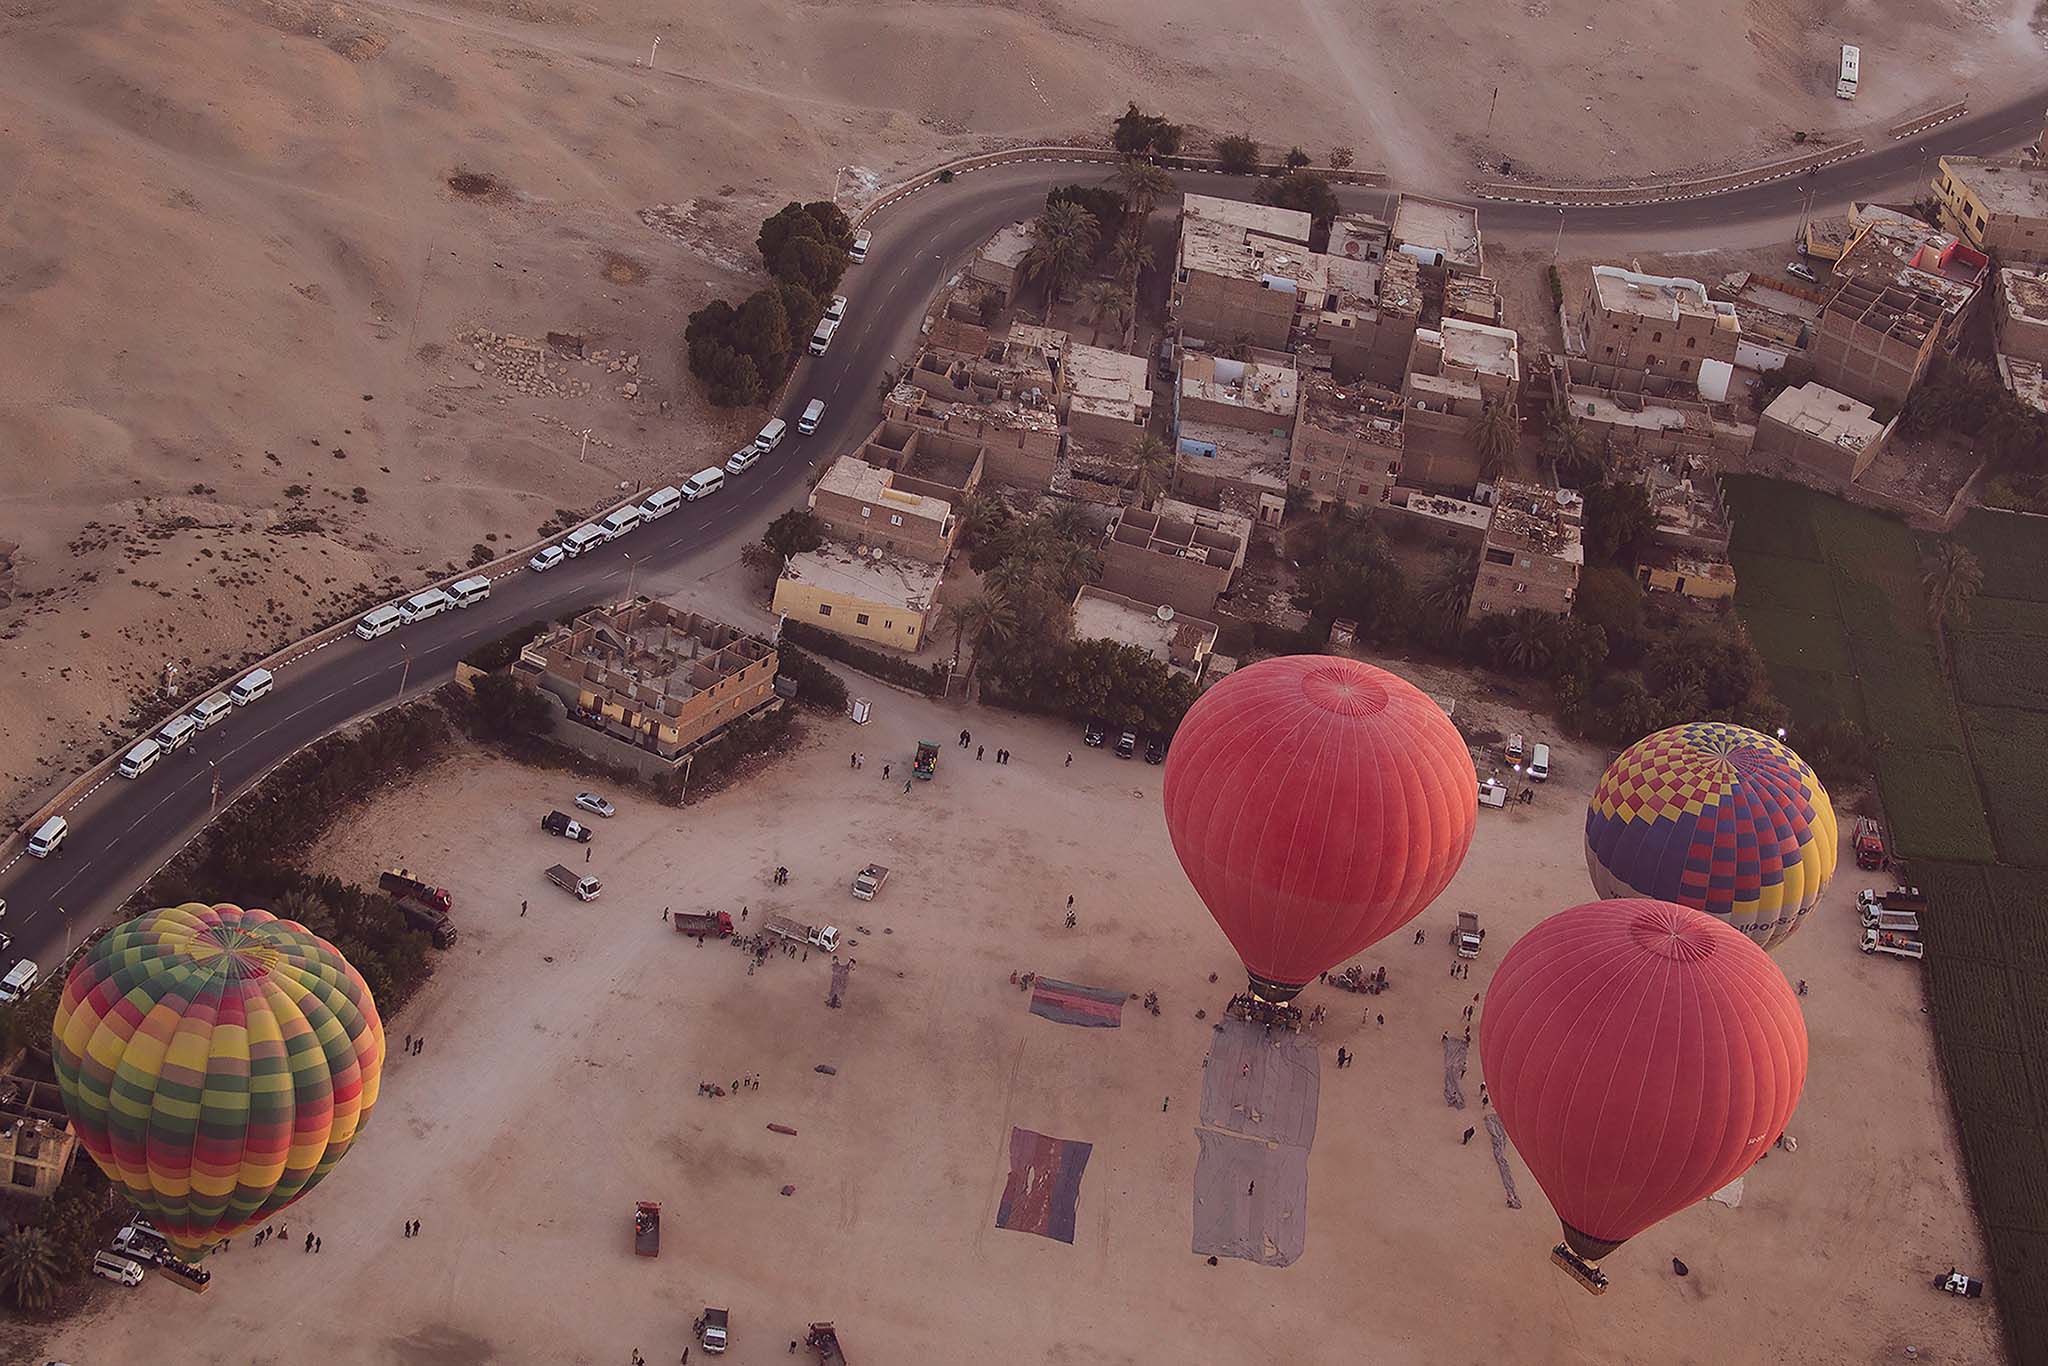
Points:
[1717,817]
[216,1062]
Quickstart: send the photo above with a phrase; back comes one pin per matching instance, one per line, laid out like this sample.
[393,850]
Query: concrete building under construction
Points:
[36,1142]
[1532,554]
[1875,340]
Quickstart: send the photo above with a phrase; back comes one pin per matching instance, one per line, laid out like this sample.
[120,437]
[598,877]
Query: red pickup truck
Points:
[703,924]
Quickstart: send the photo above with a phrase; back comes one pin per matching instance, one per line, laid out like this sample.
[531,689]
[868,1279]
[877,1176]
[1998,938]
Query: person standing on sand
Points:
[885,773]
[1070,759]
[522,908]
[906,787]
[1467,1138]
[979,750]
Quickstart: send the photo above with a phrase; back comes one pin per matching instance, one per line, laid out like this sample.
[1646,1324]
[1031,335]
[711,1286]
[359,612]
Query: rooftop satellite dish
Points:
[1165,614]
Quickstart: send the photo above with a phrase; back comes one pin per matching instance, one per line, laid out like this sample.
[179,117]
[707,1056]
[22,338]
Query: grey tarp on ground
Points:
[1455,1049]
[1261,1084]
[1499,1136]
[1251,1199]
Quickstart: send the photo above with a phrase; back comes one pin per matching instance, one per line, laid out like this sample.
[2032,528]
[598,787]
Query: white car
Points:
[836,310]
[548,557]
[1802,270]
[742,460]
[590,801]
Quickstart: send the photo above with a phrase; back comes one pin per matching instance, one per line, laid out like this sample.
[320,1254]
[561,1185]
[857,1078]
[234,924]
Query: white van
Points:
[822,338]
[420,606]
[48,836]
[1539,763]
[660,503]
[211,710]
[140,759]
[771,435]
[20,980]
[115,1267]
[382,621]
[583,538]
[176,732]
[620,522]
[814,413]
[252,685]
[704,483]
[858,252]
[470,591]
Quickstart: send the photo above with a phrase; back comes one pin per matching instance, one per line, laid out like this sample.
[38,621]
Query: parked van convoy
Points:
[250,686]
[1539,764]
[583,538]
[20,980]
[175,732]
[141,759]
[468,592]
[660,503]
[48,836]
[771,435]
[821,340]
[420,606]
[814,413]
[381,621]
[704,483]
[211,710]
[620,521]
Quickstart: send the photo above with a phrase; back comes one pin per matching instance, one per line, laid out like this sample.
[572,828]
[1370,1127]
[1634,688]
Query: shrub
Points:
[817,687]
[481,554]
[1140,134]
[1237,154]
[927,679]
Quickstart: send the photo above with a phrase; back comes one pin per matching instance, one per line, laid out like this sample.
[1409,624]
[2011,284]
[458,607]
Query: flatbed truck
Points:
[584,888]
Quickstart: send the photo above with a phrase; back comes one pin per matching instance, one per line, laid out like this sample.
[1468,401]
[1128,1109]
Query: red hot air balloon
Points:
[1642,1055]
[1317,805]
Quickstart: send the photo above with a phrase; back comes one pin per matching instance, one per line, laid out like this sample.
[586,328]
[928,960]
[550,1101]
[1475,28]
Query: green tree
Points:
[1102,299]
[507,709]
[1237,154]
[1611,599]
[1101,203]
[1951,579]
[1496,438]
[817,266]
[1152,467]
[758,557]
[802,308]
[1447,594]
[1528,643]
[1296,158]
[761,330]
[1062,245]
[985,619]
[1131,254]
[1303,190]
[1144,184]
[1142,134]
[1619,523]
[30,1265]
[1565,441]
[820,220]
[1340,158]
[792,533]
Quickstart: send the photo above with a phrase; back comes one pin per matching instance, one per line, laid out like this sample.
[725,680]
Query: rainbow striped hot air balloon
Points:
[1717,817]
[217,1062]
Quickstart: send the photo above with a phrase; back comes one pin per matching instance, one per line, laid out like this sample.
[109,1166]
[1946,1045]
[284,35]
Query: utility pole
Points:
[632,567]
[67,934]
[652,50]
[1489,114]
[213,801]
[585,450]
[1558,245]
[405,670]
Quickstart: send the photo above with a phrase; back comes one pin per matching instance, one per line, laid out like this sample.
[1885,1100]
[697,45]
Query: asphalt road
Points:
[122,830]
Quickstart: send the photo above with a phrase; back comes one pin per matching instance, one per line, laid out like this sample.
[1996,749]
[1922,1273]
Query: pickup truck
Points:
[825,937]
[1466,937]
[647,1228]
[869,880]
[567,826]
[823,1339]
[424,905]
[1889,941]
[585,888]
[704,924]
[711,1329]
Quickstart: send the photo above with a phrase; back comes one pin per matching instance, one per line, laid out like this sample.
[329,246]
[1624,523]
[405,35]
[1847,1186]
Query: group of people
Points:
[1002,755]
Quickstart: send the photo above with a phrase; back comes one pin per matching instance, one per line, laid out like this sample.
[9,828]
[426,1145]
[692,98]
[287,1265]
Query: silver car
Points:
[590,801]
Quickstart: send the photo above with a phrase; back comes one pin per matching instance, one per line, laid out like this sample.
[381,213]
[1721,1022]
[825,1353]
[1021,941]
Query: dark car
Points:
[1155,751]
[1126,744]
[1092,736]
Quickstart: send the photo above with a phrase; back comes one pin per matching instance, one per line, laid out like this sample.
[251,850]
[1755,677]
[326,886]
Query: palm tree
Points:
[1101,299]
[1144,185]
[986,618]
[1497,435]
[1130,253]
[1951,579]
[1068,522]
[1153,467]
[1011,575]
[1447,595]
[29,1263]
[1570,451]
[1527,646]
[1062,244]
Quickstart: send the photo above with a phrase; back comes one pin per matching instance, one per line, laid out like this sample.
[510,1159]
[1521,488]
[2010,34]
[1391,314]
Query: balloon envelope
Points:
[1717,817]
[1641,1055]
[216,1062]
[1317,805]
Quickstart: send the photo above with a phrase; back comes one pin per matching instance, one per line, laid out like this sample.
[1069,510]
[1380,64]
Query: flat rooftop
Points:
[1361,410]
[1457,512]
[851,477]
[1219,249]
[2026,380]
[1008,247]
[1543,520]
[884,579]
[1102,615]
[2025,295]
[1452,229]
[1251,385]
[1594,405]
[1288,225]
[1482,347]
[1111,383]
[1225,452]
[1662,298]
[2005,185]
[1816,411]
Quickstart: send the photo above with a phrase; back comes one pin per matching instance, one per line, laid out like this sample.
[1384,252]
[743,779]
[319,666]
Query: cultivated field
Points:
[564,1048]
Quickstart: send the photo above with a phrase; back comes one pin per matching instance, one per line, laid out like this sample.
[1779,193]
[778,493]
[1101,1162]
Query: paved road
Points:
[122,831]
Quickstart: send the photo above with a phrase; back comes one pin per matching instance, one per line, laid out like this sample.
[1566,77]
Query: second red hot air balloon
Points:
[1642,1055]
[1317,805]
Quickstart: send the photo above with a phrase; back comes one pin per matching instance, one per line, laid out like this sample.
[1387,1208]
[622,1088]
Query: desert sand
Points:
[564,1048]
[262,256]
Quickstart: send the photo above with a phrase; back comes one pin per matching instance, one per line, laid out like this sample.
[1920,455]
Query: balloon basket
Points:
[1579,1269]
[1252,1010]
